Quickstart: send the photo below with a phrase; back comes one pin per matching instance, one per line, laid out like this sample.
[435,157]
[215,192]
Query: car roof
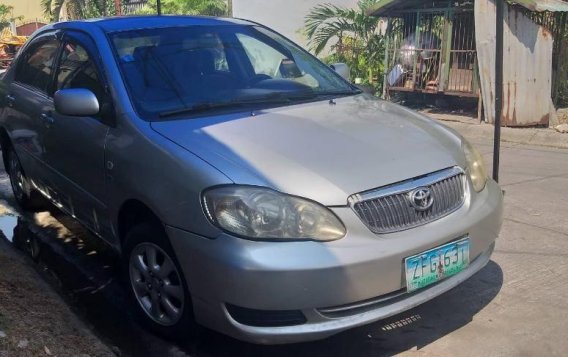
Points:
[125,23]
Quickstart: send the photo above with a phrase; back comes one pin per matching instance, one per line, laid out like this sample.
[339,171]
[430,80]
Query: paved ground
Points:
[515,306]
[469,126]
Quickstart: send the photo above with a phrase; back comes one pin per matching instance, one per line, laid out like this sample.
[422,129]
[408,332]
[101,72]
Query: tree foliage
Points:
[6,15]
[55,10]
[5,12]
[188,7]
[350,34]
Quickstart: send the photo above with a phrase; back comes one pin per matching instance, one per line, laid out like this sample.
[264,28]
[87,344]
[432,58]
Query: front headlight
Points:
[475,166]
[262,213]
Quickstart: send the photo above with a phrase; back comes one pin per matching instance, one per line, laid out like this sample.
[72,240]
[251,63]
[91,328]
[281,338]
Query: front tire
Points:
[156,285]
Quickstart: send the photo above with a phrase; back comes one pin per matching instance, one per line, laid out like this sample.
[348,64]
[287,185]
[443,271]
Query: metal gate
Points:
[432,51]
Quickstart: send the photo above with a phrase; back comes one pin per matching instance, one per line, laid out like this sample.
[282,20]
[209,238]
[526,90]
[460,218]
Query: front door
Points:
[75,146]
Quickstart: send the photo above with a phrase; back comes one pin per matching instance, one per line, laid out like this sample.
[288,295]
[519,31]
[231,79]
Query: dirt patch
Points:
[34,321]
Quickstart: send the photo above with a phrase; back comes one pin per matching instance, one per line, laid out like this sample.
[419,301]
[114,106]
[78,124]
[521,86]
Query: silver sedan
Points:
[248,186]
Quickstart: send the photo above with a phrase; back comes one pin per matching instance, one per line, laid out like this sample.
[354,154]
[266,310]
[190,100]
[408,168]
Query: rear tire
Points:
[24,193]
[155,283]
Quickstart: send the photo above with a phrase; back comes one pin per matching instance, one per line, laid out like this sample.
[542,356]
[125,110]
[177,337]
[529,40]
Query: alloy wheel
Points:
[156,283]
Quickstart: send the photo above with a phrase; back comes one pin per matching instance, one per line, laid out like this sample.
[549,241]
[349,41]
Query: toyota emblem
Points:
[421,199]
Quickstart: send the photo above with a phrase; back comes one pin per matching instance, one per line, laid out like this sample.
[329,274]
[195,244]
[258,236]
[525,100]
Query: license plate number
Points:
[436,264]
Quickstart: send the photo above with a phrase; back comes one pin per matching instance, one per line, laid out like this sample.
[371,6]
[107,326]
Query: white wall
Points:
[284,16]
[29,9]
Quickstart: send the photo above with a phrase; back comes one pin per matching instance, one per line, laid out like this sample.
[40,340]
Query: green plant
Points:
[5,15]
[351,36]
[77,9]
[188,7]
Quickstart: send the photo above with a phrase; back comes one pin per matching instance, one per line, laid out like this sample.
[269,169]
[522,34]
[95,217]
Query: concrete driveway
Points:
[514,306]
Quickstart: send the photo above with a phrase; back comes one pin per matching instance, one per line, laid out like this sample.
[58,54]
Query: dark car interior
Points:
[181,69]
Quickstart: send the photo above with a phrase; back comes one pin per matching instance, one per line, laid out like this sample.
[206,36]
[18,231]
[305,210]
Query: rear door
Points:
[75,146]
[29,106]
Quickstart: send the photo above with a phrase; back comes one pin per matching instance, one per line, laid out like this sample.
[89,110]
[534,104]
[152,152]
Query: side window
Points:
[77,70]
[264,58]
[36,67]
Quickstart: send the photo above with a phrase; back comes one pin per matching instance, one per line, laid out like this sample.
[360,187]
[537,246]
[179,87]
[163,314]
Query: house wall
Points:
[28,28]
[284,16]
[29,9]
[527,72]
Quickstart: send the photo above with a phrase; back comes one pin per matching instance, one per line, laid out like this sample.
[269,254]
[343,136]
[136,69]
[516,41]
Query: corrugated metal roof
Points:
[385,6]
[544,5]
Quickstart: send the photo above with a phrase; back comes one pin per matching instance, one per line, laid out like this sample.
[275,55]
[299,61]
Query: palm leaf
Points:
[327,22]
[350,34]
[46,7]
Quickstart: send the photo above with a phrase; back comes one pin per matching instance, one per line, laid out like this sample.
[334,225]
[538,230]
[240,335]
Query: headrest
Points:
[141,52]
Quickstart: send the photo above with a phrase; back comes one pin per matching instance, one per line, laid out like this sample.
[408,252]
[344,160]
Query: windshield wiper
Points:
[340,92]
[273,98]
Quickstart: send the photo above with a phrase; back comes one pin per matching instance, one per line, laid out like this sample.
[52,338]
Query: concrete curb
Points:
[528,136]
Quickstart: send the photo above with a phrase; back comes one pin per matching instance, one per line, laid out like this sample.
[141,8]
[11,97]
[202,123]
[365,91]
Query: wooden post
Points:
[387,64]
[117,8]
[476,88]
[446,51]
[416,54]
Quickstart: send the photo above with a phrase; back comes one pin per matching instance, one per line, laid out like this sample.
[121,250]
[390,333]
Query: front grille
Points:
[389,209]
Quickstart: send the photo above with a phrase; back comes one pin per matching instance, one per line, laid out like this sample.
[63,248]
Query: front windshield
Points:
[177,70]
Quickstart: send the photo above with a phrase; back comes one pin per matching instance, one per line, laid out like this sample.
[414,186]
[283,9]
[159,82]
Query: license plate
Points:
[436,264]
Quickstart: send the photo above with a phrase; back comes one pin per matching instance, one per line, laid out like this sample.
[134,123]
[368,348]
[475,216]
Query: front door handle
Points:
[10,99]
[47,119]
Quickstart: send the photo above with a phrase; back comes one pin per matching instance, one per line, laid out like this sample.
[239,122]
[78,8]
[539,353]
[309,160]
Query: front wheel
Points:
[156,284]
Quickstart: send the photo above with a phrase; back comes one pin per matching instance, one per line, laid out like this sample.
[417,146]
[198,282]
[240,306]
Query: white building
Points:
[284,16]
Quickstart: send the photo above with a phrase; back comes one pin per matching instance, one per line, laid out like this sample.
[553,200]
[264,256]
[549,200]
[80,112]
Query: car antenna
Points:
[159,6]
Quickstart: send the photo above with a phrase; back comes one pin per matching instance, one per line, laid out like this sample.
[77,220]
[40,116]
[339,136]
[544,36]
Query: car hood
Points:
[325,151]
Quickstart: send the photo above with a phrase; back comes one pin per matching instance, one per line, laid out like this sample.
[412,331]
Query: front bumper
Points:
[353,273]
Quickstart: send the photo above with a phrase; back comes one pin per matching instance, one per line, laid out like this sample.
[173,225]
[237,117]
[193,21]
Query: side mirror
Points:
[342,69]
[76,102]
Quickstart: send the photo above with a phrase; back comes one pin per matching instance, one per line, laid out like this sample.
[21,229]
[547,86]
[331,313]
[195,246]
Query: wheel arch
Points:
[131,213]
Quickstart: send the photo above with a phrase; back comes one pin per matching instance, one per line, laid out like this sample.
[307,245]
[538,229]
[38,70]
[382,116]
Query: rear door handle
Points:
[47,119]
[10,99]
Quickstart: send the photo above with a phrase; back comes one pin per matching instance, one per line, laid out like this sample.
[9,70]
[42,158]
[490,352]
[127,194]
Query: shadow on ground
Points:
[414,329]
[86,272]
